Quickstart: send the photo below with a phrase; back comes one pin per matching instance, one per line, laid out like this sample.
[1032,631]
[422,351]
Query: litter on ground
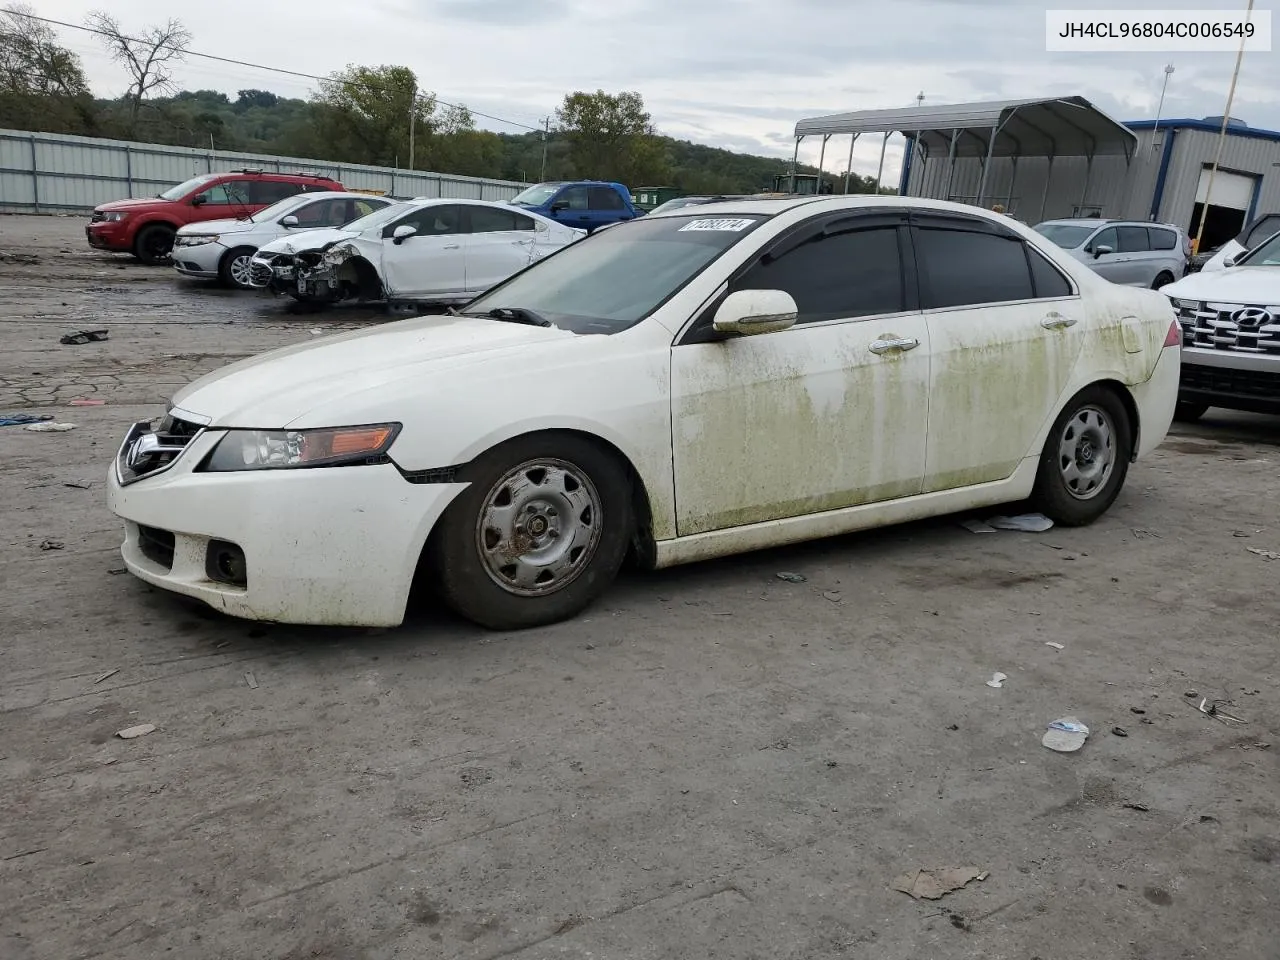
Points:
[141,730]
[1065,735]
[997,680]
[1023,523]
[17,419]
[49,427]
[936,882]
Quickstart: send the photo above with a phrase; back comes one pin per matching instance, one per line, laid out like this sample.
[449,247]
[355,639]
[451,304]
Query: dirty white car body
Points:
[674,407]
[424,250]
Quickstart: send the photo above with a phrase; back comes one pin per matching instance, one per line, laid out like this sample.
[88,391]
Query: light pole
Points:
[1155,131]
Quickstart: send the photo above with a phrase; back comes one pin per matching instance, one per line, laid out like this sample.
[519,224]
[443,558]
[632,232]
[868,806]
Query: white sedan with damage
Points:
[688,385]
[424,251]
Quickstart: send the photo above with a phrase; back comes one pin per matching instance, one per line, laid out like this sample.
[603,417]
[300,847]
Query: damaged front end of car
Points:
[329,274]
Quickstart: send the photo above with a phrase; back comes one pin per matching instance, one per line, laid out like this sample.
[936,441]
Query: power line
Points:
[259,66]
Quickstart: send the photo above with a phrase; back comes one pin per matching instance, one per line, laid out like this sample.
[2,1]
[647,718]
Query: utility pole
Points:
[1155,131]
[413,122]
[1222,137]
[546,130]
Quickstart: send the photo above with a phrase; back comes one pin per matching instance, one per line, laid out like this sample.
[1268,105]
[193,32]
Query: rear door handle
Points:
[894,343]
[1056,321]
[451,246]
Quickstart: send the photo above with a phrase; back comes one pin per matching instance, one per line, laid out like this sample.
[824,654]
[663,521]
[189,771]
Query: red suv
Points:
[146,226]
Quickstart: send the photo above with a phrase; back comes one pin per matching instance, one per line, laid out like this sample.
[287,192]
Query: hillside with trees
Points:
[363,114]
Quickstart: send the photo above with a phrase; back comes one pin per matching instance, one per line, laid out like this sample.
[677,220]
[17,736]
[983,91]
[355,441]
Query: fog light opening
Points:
[225,563]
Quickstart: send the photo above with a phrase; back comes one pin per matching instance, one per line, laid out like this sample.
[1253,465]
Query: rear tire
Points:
[236,268]
[1085,458]
[154,244]
[1164,279]
[1189,412]
[537,536]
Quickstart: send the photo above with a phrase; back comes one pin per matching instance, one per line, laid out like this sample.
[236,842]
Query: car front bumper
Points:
[1234,379]
[108,235]
[324,546]
[201,260]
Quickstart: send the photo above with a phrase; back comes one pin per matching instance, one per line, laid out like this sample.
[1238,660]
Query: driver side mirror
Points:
[559,205]
[199,199]
[402,233]
[1100,250]
[748,312]
[289,221]
[1229,262]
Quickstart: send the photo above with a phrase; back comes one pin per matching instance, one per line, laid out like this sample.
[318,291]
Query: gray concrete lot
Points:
[711,763]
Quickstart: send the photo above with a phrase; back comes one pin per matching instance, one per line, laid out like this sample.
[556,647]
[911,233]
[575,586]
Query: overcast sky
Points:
[731,73]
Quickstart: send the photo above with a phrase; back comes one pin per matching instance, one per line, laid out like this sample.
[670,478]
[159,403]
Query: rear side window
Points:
[269,191]
[1132,240]
[857,273]
[606,198]
[1047,279]
[1162,239]
[961,268]
[493,220]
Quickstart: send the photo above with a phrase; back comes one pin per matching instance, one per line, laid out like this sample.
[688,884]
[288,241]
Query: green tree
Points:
[42,85]
[611,137]
[378,115]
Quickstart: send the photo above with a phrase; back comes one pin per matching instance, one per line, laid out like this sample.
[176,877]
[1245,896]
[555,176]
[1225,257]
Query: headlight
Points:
[1185,304]
[286,449]
[195,239]
[114,217]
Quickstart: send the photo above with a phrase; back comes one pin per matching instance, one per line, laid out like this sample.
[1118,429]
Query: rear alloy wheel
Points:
[539,533]
[236,268]
[1188,412]
[1162,280]
[154,244]
[1085,458]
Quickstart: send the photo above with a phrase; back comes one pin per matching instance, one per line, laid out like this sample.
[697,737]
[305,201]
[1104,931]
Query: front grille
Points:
[156,545]
[1231,326]
[1231,382]
[147,451]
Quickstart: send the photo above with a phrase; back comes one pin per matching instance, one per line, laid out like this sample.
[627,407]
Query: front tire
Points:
[537,536]
[154,244]
[236,268]
[1085,459]
[1164,279]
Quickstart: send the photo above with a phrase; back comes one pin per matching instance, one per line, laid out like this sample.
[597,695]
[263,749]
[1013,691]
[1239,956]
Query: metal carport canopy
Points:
[1052,127]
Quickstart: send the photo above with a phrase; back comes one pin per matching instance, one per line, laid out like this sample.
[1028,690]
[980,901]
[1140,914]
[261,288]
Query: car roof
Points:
[772,206]
[1104,221]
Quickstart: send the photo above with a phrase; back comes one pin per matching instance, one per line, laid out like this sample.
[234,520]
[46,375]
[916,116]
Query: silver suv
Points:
[1131,252]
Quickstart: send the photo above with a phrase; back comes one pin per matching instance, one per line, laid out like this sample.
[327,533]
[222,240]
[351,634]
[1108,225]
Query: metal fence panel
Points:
[59,173]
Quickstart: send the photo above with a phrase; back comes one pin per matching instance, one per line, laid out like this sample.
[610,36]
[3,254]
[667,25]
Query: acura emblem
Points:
[142,448]
[1251,318]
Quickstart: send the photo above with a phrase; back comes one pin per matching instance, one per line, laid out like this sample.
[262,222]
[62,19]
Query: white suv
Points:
[223,249]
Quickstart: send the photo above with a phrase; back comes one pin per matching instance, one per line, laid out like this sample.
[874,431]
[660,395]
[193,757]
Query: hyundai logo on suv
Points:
[1251,318]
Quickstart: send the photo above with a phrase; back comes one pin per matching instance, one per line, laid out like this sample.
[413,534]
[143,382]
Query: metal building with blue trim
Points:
[1058,157]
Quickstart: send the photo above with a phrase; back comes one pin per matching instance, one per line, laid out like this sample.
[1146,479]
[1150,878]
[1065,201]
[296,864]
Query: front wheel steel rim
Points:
[538,528]
[1086,452]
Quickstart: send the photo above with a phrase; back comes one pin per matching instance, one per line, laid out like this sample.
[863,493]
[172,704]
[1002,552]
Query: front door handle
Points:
[894,343]
[1056,321]
[451,246]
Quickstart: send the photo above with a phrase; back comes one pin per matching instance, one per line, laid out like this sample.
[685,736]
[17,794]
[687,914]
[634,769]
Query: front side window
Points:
[1266,254]
[855,273]
[615,278]
[434,221]
[1107,238]
[321,213]
[229,191]
[575,198]
[269,191]
[961,268]
[536,195]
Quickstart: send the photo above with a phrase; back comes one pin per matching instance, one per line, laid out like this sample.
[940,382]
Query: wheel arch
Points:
[366,277]
[1125,396]
[643,551]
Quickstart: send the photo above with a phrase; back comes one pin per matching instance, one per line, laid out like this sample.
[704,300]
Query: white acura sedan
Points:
[424,251]
[684,386]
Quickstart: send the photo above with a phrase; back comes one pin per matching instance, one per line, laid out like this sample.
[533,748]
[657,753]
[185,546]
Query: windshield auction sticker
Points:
[731,226]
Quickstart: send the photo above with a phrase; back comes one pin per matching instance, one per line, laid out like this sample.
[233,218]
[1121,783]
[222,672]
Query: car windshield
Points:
[536,195]
[1265,254]
[279,208]
[1065,235]
[182,189]
[612,280]
[377,218]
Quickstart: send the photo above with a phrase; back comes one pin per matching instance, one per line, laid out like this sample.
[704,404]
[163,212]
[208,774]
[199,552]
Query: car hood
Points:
[307,240]
[1231,285]
[117,206]
[216,226]
[350,371]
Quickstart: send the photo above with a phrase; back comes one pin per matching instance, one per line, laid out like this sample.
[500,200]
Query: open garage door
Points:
[1228,207]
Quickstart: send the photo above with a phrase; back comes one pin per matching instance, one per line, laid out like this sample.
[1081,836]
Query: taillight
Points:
[1174,337]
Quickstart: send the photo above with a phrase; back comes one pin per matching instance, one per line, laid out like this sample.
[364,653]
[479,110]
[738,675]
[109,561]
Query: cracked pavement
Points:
[711,763]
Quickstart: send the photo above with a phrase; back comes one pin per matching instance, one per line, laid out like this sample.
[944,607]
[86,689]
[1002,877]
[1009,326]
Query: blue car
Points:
[581,204]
